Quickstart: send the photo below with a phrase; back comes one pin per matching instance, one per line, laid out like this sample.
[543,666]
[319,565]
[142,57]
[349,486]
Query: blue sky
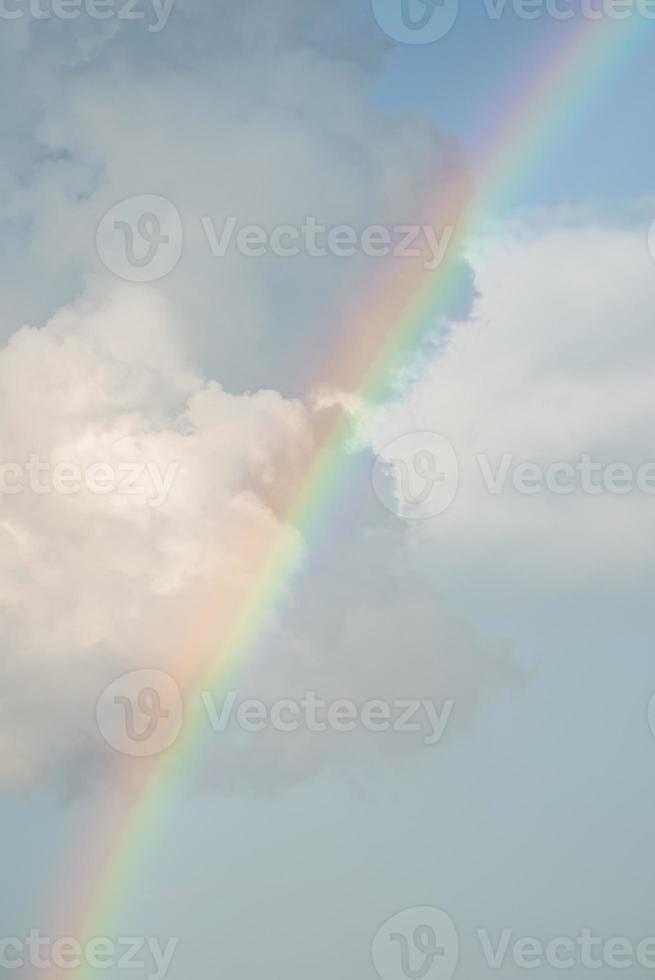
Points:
[606,157]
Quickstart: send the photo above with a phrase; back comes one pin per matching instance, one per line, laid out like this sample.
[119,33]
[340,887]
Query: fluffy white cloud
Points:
[94,584]
[554,364]
[93,580]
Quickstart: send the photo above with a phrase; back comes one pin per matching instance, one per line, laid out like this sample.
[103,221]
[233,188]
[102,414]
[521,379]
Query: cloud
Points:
[93,581]
[234,110]
[554,364]
[96,584]
[205,377]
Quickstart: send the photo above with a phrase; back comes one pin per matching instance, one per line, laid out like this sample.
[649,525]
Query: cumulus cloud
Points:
[95,581]
[94,584]
[554,365]
[261,112]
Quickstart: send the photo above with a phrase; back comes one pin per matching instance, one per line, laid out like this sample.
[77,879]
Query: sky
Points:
[479,552]
[607,152]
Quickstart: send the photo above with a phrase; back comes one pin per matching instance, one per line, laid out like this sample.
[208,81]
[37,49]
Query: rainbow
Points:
[391,327]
